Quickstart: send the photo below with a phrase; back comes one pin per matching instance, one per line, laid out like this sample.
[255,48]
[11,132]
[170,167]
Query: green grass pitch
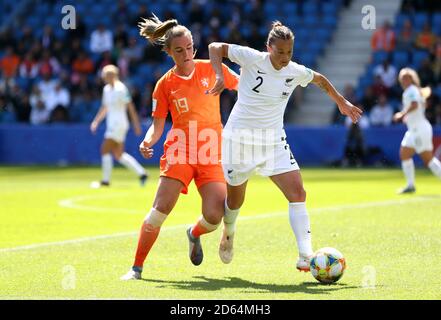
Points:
[61,239]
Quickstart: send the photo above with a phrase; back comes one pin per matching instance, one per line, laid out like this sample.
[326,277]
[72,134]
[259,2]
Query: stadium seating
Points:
[314,20]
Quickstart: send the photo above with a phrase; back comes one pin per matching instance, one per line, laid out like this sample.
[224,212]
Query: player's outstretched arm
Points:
[217,51]
[345,107]
[151,137]
[134,118]
[98,118]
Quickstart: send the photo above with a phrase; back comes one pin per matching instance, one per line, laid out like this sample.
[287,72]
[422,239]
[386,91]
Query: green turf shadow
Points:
[202,283]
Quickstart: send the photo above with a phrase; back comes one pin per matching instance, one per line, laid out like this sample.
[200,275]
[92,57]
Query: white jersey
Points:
[417,117]
[263,94]
[116,99]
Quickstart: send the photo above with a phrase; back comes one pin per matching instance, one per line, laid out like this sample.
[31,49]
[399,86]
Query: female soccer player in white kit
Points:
[116,101]
[267,80]
[418,138]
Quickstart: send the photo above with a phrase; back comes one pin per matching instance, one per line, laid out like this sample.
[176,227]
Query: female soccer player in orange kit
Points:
[192,147]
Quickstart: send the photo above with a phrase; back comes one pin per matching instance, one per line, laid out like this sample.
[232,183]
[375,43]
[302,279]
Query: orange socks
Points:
[148,235]
[202,227]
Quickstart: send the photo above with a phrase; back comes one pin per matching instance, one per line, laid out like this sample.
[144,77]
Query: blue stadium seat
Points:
[290,9]
[310,8]
[419,20]
[322,34]
[379,56]
[271,10]
[329,22]
[311,21]
[400,19]
[418,56]
[329,8]
[400,59]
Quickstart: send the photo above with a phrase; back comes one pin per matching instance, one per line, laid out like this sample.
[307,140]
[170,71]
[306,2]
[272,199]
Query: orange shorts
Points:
[185,172]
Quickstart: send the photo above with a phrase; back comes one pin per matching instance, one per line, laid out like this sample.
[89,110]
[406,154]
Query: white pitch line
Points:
[72,204]
[246,218]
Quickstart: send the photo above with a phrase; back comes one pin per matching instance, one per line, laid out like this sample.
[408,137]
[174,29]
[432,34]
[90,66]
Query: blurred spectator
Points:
[143,12]
[387,73]
[383,38]
[196,14]
[59,96]
[255,40]
[49,64]
[80,30]
[355,148]
[121,35]
[406,38]
[121,14]
[134,51]
[426,39]
[106,58]
[382,113]
[29,67]
[256,15]
[436,65]
[101,40]
[39,113]
[9,63]
[369,99]
[379,88]
[48,38]
[82,65]
[427,76]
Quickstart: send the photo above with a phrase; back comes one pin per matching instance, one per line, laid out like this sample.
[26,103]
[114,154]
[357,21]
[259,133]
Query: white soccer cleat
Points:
[303,263]
[131,275]
[226,248]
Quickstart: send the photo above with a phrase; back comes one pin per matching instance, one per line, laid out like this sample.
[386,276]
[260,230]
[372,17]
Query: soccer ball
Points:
[327,265]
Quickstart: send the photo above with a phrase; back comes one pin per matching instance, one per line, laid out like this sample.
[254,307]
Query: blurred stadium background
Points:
[50,87]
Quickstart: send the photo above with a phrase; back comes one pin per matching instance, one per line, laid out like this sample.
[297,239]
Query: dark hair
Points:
[279,31]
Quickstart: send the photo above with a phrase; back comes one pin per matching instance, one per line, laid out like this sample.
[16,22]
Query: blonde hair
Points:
[110,68]
[425,92]
[279,31]
[161,33]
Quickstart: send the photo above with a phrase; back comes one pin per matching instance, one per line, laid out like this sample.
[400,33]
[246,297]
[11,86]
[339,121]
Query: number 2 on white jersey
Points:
[181,105]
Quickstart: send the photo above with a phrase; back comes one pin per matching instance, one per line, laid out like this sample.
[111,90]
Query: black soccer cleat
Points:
[408,189]
[143,179]
[195,252]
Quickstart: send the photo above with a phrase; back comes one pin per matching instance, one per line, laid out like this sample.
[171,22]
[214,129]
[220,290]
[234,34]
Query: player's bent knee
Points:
[235,204]
[213,217]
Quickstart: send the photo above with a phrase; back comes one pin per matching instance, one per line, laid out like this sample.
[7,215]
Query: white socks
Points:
[106,164]
[435,167]
[129,162]
[409,171]
[299,220]
[230,217]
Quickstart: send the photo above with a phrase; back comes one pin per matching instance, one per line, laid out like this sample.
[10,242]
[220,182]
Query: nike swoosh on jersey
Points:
[258,71]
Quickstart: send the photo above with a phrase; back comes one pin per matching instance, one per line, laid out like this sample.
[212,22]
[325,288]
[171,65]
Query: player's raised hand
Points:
[348,109]
[145,150]
[218,87]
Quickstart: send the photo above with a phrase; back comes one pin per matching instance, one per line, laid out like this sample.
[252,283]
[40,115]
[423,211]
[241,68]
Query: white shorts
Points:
[116,132]
[419,138]
[239,161]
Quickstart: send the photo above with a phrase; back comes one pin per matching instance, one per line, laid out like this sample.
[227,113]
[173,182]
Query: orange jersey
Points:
[187,99]
[192,108]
